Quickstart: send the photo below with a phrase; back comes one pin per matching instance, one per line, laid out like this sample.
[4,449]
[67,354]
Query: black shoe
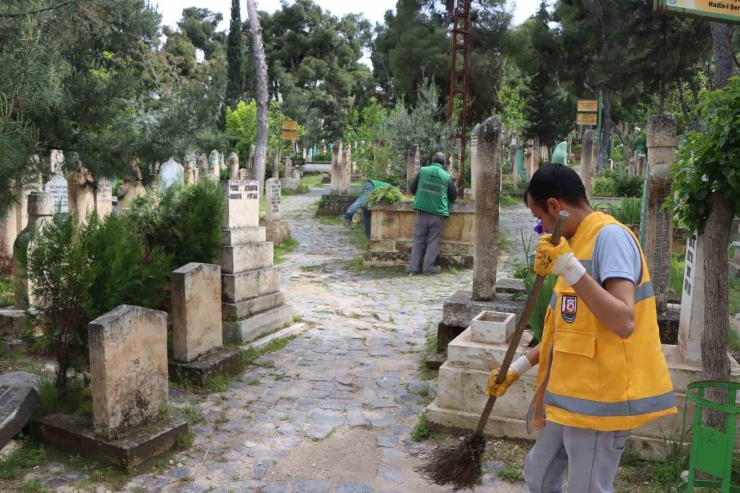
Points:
[348,223]
[410,272]
[436,269]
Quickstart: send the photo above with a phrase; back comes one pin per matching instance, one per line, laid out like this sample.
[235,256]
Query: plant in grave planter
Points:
[385,195]
[627,212]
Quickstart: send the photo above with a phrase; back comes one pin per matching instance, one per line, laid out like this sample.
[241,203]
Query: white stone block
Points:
[246,285]
[196,311]
[128,367]
[259,325]
[493,327]
[242,208]
[241,236]
[246,257]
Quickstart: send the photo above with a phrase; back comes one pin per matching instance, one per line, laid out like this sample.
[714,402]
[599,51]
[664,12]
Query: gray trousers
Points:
[591,458]
[427,235]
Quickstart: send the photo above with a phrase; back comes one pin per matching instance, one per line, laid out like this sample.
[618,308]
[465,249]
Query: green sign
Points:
[718,10]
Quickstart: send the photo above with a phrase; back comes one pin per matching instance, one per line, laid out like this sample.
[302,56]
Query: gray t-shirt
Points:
[616,256]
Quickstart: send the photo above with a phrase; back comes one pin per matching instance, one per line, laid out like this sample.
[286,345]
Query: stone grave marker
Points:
[242,204]
[662,141]
[336,158]
[17,405]
[128,367]
[104,198]
[272,198]
[233,166]
[691,322]
[215,169]
[197,329]
[243,174]
[202,167]
[196,310]
[488,178]
[171,173]
[473,162]
[57,187]
[288,168]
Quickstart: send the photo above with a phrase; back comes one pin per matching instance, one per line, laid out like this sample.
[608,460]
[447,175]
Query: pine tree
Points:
[235,57]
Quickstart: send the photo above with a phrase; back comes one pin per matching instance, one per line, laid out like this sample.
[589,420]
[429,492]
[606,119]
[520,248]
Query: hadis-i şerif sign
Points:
[719,10]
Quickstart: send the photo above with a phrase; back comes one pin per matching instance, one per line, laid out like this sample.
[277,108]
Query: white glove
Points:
[569,268]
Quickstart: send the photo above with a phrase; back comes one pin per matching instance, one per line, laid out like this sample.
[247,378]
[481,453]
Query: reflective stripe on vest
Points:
[635,407]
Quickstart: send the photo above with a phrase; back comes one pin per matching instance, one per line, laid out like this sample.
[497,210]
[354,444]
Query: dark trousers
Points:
[427,235]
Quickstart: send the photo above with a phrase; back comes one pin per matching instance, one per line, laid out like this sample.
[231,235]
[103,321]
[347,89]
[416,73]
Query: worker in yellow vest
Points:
[601,371]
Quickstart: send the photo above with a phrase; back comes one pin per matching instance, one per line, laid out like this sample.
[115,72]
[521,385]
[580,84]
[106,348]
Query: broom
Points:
[460,466]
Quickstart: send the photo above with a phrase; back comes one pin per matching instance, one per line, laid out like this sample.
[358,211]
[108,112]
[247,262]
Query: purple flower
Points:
[539,229]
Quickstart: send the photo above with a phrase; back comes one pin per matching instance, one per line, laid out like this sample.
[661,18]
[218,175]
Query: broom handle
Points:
[523,322]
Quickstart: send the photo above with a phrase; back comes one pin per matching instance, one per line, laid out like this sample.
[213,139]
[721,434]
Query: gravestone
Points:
[128,368]
[17,405]
[8,231]
[233,166]
[253,305]
[530,159]
[661,142]
[336,157]
[288,168]
[215,168]
[203,170]
[80,193]
[190,170]
[272,200]
[57,184]
[196,300]
[640,164]
[691,322]
[242,204]
[40,212]
[474,162]
[345,171]
[487,211]
[277,229]
[132,187]
[197,329]
[411,169]
[587,164]
[243,174]
[513,146]
[171,173]
[734,263]
[104,198]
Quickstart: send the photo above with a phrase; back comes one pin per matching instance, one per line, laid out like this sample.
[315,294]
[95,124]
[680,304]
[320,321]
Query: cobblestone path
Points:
[333,410]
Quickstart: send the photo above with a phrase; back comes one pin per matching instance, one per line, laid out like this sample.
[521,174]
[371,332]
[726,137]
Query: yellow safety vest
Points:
[588,376]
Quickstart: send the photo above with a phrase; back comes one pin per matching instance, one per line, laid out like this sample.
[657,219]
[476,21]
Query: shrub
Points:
[617,183]
[385,195]
[628,212]
[79,276]
[601,186]
[183,222]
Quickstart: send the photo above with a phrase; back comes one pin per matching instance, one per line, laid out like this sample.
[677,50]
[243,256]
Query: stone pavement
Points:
[333,410]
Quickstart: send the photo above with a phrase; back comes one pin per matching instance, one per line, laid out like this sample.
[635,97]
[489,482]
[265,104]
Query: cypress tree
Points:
[235,57]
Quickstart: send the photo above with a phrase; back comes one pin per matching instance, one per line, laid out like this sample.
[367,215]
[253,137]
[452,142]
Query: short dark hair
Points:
[438,158]
[556,181]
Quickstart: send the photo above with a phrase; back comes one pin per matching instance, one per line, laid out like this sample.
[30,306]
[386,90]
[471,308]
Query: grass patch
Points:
[6,291]
[512,473]
[75,399]
[34,486]
[190,415]
[251,354]
[509,201]
[30,455]
[431,347]
[285,248]
[302,189]
[312,180]
[421,432]
[504,242]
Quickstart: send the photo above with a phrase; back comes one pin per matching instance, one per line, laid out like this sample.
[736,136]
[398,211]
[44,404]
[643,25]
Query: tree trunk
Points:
[260,63]
[715,338]
[606,131]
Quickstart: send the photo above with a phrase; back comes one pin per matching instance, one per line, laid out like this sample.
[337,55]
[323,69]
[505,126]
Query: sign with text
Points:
[588,105]
[290,125]
[720,10]
[587,119]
